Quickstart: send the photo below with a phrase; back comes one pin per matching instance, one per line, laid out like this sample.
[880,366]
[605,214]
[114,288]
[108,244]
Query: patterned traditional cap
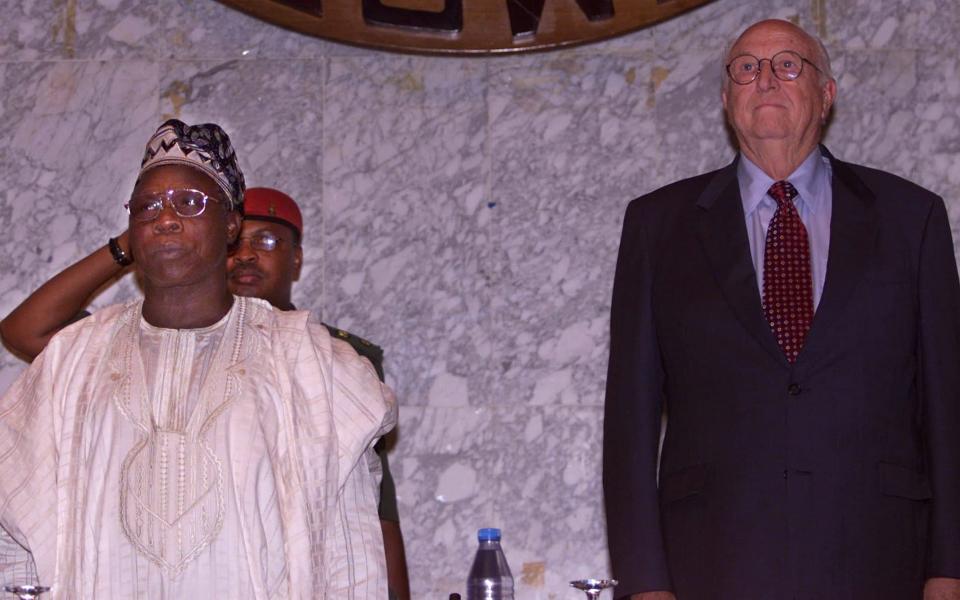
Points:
[205,147]
[267,204]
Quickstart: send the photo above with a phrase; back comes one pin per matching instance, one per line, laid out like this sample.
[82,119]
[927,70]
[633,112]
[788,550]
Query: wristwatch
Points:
[119,256]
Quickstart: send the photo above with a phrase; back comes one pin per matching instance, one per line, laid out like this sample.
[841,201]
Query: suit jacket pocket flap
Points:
[683,483]
[904,482]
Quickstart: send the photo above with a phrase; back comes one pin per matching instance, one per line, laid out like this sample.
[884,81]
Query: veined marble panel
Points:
[689,116]
[874,117]
[32,30]
[927,25]
[715,25]
[142,29]
[201,29]
[573,138]
[898,111]
[406,211]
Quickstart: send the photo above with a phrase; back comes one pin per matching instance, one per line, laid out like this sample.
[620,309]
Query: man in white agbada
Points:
[193,444]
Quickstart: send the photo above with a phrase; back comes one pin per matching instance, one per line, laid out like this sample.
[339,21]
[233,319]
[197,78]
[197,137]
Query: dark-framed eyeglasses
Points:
[786,65]
[263,241]
[185,202]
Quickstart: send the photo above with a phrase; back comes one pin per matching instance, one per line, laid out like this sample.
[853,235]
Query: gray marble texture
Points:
[462,213]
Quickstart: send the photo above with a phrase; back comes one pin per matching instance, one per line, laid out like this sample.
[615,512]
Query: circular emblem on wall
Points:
[464,26]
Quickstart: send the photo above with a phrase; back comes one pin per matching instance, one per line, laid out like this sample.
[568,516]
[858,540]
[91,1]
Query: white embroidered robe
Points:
[232,461]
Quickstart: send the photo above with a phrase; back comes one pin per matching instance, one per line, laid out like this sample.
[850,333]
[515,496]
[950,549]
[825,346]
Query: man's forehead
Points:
[772,36]
[167,177]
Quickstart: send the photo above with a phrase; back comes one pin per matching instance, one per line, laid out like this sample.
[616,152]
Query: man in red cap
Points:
[267,257]
[264,263]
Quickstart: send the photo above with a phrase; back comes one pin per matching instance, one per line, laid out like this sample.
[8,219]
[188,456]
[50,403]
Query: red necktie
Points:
[787,282]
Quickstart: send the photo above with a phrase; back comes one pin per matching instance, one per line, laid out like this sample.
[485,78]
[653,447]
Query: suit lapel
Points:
[853,229]
[723,234]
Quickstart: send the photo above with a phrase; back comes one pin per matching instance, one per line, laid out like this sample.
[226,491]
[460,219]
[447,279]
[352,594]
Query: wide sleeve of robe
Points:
[340,409]
[38,435]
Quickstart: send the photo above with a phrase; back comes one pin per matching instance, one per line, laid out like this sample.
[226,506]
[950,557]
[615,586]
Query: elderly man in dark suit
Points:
[796,317]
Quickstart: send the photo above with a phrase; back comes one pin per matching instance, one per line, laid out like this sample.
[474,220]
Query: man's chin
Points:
[165,278]
[769,132]
[250,289]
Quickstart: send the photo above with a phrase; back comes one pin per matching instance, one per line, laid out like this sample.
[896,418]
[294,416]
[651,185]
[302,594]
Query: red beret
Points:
[267,204]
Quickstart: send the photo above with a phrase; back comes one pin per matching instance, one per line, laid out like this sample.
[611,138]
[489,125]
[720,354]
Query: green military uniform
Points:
[388,492]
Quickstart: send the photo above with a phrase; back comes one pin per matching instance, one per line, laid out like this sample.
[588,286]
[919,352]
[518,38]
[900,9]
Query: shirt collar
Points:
[153,329]
[754,183]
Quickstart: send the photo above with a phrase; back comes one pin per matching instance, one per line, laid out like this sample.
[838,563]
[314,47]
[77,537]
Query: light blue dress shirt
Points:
[814,203]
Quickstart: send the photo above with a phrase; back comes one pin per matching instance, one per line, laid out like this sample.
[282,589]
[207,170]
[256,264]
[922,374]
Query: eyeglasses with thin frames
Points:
[786,65]
[185,202]
[263,241]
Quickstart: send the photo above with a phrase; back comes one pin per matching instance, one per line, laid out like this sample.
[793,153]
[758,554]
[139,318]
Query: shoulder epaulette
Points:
[363,347]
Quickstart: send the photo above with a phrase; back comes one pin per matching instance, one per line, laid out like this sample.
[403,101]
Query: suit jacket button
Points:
[793,389]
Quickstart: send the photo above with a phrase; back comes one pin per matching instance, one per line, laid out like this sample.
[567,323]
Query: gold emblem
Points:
[464,26]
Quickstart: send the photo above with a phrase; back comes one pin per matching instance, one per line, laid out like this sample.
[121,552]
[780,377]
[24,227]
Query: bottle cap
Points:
[488,534]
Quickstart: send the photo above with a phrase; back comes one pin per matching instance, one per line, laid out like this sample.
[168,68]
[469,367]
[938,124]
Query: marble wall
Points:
[462,213]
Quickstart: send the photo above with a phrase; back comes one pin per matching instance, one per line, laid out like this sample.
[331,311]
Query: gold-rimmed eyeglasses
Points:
[185,202]
[786,65]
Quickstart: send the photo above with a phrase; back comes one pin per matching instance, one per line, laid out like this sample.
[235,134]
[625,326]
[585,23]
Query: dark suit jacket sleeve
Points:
[939,304]
[632,416]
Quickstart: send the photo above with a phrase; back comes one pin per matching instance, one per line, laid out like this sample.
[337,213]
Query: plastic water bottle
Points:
[490,577]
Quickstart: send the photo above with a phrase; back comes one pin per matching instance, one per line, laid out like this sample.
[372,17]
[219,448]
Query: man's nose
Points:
[766,79]
[168,220]
[243,252]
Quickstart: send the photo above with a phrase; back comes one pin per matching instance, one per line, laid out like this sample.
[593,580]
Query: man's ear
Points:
[234,221]
[297,263]
[829,92]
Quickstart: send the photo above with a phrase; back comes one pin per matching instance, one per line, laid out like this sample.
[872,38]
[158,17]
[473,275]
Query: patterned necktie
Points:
[787,282]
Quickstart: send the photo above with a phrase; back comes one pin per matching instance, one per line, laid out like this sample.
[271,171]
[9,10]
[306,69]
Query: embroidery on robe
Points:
[172,498]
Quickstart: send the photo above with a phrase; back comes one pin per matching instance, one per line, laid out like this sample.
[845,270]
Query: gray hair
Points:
[821,58]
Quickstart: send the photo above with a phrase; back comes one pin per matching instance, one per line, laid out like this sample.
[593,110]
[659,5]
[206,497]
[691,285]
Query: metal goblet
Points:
[593,587]
[27,592]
